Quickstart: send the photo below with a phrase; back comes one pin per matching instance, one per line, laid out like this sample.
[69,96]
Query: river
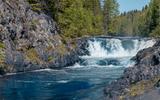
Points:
[107,59]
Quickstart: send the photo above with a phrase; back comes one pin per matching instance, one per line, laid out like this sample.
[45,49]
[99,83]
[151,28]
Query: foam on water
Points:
[76,65]
[86,80]
[112,52]
[114,48]
[47,69]
[63,81]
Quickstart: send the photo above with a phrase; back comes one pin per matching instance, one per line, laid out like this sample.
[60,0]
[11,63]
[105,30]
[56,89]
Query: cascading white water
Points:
[83,81]
[105,52]
[116,48]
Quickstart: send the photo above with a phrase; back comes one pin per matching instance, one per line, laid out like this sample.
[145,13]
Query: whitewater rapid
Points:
[106,52]
[113,48]
[106,61]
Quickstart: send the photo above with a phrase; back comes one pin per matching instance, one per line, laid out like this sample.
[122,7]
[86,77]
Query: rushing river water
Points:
[84,81]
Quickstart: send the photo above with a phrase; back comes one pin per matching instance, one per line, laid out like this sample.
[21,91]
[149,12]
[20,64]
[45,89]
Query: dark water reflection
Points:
[67,84]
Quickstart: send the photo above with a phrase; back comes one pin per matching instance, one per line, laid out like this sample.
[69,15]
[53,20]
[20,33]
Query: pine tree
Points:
[154,25]
[95,7]
[73,19]
[110,11]
[155,14]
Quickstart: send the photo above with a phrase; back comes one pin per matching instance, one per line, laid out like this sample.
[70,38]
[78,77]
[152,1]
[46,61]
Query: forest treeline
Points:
[138,23]
[77,18]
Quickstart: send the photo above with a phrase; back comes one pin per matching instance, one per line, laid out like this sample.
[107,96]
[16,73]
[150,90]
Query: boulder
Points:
[29,40]
[146,69]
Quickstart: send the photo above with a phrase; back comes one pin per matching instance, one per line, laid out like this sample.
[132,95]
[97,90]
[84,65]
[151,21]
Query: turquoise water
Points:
[85,80]
[67,84]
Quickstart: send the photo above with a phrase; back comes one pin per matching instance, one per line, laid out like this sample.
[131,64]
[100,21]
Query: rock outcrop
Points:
[140,78]
[29,40]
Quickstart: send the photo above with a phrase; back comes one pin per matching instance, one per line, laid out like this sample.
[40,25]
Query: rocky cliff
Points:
[29,40]
[143,77]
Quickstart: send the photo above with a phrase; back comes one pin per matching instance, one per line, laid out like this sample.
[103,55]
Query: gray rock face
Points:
[73,56]
[31,39]
[22,30]
[147,67]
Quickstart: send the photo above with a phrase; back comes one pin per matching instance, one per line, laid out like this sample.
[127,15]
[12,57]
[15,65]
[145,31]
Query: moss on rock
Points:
[33,56]
[2,53]
[140,88]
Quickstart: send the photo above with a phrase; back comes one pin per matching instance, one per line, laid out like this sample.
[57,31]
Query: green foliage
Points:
[110,11]
[154,14]
[97,14]
[127,24]
[33,1]
[2,45]
[138,23]
[156,32]
[140,87]
[77,19]
[2,52]
[50,58]
[111,8]
[32,55]
[36,6]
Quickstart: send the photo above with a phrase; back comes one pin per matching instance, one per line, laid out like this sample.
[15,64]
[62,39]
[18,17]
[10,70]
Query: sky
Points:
[127,5]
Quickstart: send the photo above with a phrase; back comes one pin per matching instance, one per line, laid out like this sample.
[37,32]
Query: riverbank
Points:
[30,40]
[86,79]
[140,78]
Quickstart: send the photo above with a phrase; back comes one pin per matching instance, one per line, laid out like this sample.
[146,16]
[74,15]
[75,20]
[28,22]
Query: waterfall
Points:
[107,60]
[116,48]
[112,52]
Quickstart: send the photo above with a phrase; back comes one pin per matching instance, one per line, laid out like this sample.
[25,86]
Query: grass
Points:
[70,41]
[36,7]
[2,46]
[61,49]
[50,58]
[2,57]
[140,87]
[33,56]
[2,52]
